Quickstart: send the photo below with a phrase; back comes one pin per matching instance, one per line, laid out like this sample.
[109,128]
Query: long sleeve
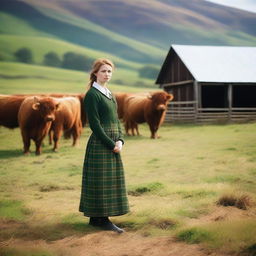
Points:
[120,137]
[91,107]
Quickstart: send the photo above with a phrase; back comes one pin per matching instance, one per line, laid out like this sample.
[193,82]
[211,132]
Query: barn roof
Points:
[220,64]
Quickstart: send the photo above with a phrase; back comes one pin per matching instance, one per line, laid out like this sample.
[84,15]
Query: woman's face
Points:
[104,74]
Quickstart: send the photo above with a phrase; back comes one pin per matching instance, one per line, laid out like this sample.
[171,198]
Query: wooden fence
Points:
[188,112]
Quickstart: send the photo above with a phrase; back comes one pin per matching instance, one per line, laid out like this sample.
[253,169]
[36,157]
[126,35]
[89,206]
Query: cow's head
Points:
[160,100]
[46,107]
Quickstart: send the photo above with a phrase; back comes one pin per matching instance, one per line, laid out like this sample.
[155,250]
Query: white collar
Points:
[102,89]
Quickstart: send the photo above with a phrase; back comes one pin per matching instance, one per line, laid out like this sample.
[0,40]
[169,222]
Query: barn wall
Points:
[204,102]
[176,71]
[214,105]
[181,92]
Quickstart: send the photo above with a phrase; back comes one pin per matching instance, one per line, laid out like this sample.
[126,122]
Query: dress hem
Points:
[104,215]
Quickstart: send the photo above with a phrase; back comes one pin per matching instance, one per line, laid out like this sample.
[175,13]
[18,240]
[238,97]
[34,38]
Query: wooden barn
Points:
[210,83]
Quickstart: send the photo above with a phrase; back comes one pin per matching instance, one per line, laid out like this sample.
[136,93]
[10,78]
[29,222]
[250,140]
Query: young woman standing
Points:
[103,184]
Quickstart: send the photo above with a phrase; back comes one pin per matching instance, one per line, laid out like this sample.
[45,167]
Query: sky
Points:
[248,5]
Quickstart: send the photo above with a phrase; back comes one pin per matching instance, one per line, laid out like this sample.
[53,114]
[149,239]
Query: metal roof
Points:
[221,64]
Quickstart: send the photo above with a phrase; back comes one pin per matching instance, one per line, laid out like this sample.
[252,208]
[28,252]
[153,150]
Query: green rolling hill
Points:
[160,23]
[137,31]
[74,30]
[131,33]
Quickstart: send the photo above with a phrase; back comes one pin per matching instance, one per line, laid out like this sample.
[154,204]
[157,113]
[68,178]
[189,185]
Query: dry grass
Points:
[171,182]
[240,201]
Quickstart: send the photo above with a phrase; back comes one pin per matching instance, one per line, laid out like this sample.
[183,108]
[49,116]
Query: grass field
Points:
[173,185]
[70,33]
[40,46]
[24,78]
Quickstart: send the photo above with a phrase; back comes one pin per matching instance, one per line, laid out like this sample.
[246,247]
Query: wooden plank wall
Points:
[185,112]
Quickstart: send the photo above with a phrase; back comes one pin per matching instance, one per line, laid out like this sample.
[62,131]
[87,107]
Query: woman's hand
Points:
[118,146]
[116,150]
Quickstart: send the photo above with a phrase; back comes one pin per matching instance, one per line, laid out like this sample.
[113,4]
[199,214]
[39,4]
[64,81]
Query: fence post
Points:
[196,100]
[230,92]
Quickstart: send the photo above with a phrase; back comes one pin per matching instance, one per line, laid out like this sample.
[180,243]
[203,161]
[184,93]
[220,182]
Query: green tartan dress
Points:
[103,184]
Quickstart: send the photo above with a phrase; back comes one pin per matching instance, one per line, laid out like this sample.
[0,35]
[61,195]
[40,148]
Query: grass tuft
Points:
[163,223]
[194,235]
[241,202]
[14,210]
[76,222]
[19,252]
[224,179]
[130,225]
[196,193]
[51,187]
[151,187]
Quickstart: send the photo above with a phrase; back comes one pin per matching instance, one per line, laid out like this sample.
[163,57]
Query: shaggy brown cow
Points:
[80,96]
[141,108]
[35,118]
[68,118]
[9,108]
[120,98]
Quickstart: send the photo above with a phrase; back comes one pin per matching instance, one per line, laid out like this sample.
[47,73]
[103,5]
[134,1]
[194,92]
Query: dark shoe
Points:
[112,227]
[105,224]
[98,221]
[95,221]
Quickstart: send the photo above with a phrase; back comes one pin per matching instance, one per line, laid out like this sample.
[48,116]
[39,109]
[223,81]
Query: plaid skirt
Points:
[103,183]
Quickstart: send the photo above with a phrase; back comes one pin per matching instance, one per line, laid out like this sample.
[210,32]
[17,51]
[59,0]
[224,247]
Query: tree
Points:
[52,59]
[76,61]
[149,71]
[24,55]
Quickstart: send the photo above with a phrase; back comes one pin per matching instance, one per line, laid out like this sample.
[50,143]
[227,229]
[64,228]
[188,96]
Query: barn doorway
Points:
[214,96]
[244,96]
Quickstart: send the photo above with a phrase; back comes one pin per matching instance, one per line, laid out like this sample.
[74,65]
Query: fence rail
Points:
[188,112]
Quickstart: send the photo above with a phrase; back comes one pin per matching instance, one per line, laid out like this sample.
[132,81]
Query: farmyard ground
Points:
[173,184]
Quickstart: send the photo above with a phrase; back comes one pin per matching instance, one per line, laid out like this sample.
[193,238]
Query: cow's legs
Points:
[153,130]
[137,129]
[77,130]
[134,126]
[56,136]
[127,127]
[26,142]
[38,143]
[74,135]
[50,137]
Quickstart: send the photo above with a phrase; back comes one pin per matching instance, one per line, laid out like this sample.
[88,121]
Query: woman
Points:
[103,185]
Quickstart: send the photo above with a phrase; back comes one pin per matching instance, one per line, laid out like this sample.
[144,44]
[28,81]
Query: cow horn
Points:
[35,106]
[36,100]
[149,96]
[170,97]
[58,106]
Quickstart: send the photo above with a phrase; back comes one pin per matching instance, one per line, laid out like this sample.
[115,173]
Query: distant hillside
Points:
[162,22]
[139,31]
[72,29]
[42,45]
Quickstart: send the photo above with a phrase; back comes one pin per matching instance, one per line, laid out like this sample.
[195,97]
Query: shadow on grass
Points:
[136,137]
[48,232]
[14,153]
[11,153]
[12,229]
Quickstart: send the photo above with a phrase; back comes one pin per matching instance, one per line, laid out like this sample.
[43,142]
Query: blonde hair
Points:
[96,66]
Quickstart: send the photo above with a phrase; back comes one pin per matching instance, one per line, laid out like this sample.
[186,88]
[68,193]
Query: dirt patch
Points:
[220,213]
[101,243]
[110,244]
